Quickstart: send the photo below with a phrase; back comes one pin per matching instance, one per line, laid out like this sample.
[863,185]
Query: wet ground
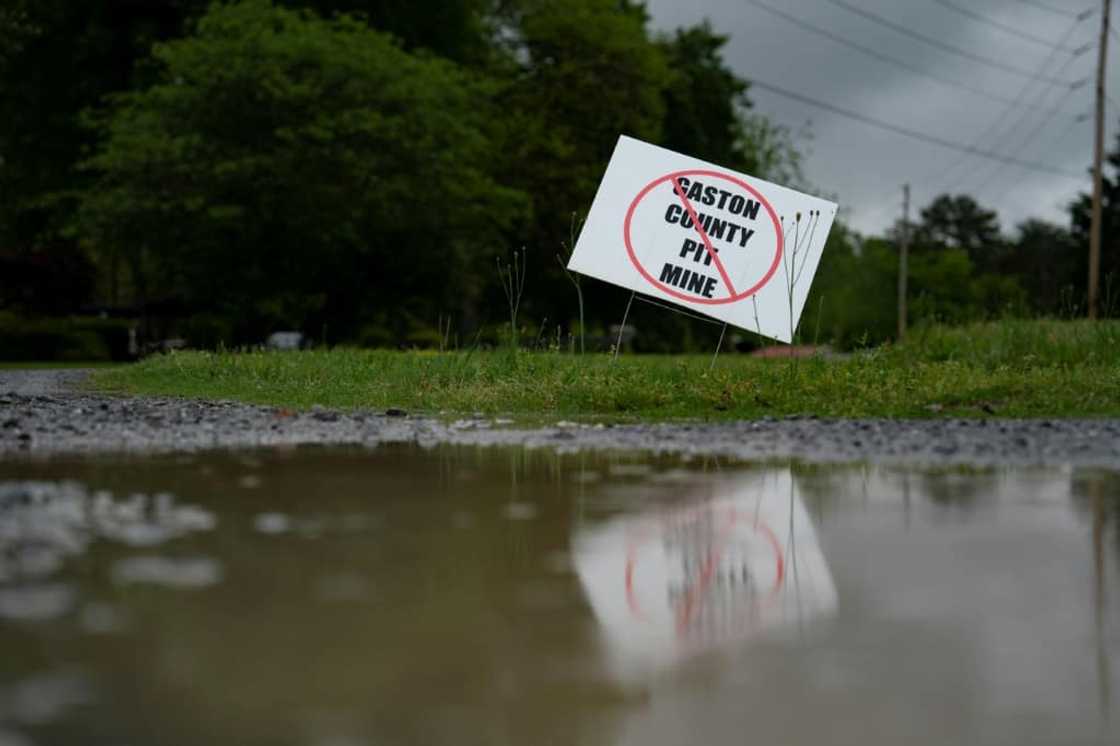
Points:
[467,595]
[40,381]
[60,420]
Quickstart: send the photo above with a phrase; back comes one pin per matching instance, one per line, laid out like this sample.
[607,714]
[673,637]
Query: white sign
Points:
[705,576]
[721,243]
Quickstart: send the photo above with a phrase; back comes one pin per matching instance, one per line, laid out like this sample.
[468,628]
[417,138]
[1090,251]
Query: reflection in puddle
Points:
[34,603]
[341,588]
[700,575]
[520,511]
[63,517]
[100,619]
[189,572]
[456,595]
[272,523]
[43,523]
[44,697]
[11,738]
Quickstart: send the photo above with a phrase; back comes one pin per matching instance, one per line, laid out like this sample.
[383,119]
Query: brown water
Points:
[487,596]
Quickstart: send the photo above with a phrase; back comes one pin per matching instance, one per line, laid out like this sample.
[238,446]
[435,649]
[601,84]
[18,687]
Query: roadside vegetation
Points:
[60,341]
[1008,369]
[388,157]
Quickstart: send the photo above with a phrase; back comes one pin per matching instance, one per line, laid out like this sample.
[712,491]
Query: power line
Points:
[1057,139]
[1069,128]
[914,134]
[1004,136]
[807,26]
[1011,30]
[1021,147]
[1080,15]
[998,121]
[989,61]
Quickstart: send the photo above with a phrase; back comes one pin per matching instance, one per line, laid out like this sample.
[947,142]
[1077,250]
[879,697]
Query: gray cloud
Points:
[864,167]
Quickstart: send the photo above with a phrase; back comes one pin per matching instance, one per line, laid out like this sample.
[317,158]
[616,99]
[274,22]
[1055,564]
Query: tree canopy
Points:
[1081,212]
[358,165]
[312,162]
[351,163]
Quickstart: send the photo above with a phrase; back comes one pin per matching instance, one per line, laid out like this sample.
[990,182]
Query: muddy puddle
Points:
[484,596]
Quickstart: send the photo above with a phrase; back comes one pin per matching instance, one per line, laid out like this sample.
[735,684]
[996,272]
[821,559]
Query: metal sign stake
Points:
[622,326]
[719,344]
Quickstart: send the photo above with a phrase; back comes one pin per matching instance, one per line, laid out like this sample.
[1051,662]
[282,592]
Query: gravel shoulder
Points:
[33,382]
[43,415]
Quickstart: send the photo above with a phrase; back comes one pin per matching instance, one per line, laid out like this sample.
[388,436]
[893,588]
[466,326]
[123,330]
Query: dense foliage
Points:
[962,268]
[353,168]
[315,165]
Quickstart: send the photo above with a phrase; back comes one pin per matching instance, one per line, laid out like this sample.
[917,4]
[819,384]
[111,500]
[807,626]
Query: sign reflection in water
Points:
[704,574]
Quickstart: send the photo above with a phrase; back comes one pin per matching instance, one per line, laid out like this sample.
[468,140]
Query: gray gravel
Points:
[30,382]
[41,415]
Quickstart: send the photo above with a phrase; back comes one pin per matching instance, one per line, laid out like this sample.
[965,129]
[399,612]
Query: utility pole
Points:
[903,261]
[1098,155]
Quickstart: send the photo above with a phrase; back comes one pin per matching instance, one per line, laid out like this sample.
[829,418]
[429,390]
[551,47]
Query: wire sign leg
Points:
[622,326]
[719,344]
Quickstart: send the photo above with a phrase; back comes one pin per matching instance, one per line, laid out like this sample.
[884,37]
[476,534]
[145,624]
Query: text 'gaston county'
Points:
[716,229]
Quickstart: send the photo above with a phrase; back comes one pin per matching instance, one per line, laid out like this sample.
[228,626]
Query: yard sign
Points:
[717,242]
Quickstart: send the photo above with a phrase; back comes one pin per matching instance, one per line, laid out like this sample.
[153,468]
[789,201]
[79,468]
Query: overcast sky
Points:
[864,167]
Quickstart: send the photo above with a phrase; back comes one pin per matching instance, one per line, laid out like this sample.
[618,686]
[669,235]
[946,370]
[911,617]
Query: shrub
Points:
[279,157]
[208,331]
[62,340]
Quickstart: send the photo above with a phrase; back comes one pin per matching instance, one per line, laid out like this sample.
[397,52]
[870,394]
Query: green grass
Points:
[1011,369]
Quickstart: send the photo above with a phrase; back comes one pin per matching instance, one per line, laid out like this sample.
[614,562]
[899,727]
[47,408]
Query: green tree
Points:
[285,169]
[962,268]
[1080,220]
[16,29]
[856,283]
[708,113]
[77,53]
[588,73]
[205,173]
[852,298]
[1047,262]
[572,76]
[704,99]
[959,222]
[941,286]
[59,58]
[460,30]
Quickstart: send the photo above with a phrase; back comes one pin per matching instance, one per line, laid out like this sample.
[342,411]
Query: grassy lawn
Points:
[1009,369]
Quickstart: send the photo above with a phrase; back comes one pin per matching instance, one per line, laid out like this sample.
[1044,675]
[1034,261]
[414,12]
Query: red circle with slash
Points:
[734,295]
[695,594]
